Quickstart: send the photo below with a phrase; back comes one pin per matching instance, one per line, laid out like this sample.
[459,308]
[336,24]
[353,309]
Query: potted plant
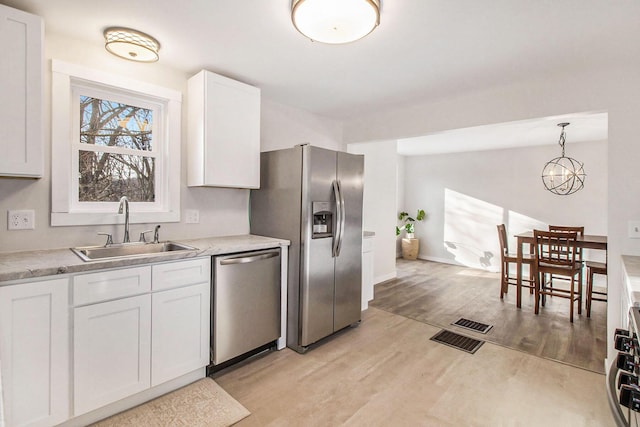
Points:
[410,244]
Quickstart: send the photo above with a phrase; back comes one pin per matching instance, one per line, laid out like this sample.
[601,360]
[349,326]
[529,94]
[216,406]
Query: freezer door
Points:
[348,265]
[317,266]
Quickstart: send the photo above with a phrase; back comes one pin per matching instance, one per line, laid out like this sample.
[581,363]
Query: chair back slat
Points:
[568,229]
[502,236]
[556,248]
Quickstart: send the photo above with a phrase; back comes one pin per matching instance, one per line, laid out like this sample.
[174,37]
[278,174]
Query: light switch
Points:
[634,229]
[192,216]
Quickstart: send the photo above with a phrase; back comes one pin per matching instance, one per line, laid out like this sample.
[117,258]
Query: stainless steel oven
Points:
[623,385]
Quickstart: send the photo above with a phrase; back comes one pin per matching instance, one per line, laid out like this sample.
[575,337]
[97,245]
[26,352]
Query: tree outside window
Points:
[118,159]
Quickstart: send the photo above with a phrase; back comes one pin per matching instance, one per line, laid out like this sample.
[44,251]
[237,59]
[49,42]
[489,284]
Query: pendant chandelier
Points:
[335,21]
[563,175]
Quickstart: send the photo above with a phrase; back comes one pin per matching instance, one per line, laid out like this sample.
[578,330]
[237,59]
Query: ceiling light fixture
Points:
[335,21]
[131,44]
[563,175]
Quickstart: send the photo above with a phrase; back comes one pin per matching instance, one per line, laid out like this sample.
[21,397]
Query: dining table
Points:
[585,241]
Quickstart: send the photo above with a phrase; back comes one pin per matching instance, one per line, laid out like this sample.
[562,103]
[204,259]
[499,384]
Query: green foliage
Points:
[409,221]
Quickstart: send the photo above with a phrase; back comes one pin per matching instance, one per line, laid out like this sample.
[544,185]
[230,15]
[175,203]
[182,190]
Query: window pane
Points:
[106,177]
[112,124]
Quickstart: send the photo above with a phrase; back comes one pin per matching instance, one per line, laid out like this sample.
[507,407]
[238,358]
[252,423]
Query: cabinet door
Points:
[34,352]
[21,88]
[112,351]
[223,132]
[181,323]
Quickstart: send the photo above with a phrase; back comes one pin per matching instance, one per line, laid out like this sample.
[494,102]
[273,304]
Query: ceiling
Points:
[422,50]
[583,127]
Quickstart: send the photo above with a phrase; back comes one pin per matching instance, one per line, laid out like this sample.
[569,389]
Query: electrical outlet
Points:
[21,220]
[634,229]
[192,216]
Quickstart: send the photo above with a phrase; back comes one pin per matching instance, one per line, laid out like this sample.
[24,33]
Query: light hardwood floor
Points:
[387,372]
[439,294]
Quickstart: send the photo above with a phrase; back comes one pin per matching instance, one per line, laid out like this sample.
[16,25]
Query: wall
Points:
[284,127]
[466,194]
[222,211]
[400,198]
[615,90]
[379,202]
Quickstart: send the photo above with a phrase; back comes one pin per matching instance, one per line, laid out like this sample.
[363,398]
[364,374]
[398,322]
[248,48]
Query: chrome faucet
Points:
[124,208]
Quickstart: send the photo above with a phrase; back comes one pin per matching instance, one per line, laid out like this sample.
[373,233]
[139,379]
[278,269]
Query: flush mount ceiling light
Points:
[335,21]
[563,175]
[131,44]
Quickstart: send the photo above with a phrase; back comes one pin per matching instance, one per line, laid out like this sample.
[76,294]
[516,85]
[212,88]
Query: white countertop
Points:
[631,271]
[30,264]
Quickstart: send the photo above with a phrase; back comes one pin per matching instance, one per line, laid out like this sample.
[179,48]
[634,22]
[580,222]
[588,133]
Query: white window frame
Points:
[68,82]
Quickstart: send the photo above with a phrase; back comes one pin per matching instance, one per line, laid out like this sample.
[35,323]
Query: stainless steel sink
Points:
[129,250]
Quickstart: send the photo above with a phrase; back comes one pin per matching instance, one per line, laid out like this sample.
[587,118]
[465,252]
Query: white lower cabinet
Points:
[112,345]
[133,328]
[157,330]
[367,271]
[180,337]
[34,352]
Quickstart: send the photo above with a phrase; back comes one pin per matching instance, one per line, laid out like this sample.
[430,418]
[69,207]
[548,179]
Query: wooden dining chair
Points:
[507,259]
[579,253]
[555,255]
[594,267]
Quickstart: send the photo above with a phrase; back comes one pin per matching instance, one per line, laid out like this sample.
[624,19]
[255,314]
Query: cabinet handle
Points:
[248,259]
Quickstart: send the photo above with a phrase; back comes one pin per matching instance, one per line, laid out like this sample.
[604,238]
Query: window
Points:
[116,154]
[113,137]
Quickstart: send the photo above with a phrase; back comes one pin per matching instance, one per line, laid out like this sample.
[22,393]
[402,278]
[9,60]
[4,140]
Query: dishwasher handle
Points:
[248,259]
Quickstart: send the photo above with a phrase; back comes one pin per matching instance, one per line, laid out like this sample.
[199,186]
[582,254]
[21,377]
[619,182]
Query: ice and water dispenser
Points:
[322,220]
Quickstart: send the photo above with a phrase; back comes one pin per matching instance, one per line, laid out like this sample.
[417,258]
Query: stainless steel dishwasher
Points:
[246,303]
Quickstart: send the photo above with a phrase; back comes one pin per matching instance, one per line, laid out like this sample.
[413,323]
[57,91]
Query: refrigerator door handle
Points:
[342,218]
[338,229]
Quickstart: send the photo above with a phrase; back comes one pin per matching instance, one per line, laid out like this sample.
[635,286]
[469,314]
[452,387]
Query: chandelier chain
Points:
[562,140]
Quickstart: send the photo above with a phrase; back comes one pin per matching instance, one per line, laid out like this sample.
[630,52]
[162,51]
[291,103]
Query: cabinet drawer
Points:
[111,284]
[181,273]
[367,244]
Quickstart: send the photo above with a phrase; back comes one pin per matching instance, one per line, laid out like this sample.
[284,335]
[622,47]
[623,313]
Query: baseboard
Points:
[453,262]
[385,277]
[134,400]
[440,260]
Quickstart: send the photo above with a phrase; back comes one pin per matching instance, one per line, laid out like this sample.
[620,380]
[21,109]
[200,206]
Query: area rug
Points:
[202,404]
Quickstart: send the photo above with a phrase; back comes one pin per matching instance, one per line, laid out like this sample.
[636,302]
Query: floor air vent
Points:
[474,326]
[470,345]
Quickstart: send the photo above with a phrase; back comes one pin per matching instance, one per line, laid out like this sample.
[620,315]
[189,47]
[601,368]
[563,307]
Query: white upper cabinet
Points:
[223,132]
[21,129]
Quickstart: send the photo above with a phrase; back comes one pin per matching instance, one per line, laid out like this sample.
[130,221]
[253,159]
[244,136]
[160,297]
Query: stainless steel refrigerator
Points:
[313,197]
